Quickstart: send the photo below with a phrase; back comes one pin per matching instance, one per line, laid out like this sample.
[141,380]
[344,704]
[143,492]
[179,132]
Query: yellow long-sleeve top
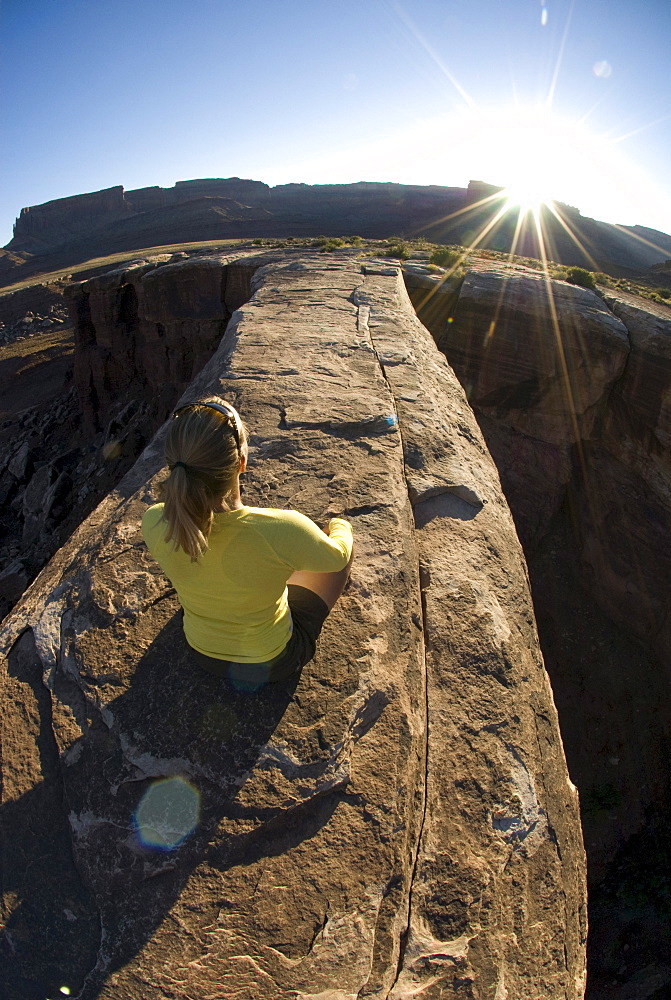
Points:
[235,596]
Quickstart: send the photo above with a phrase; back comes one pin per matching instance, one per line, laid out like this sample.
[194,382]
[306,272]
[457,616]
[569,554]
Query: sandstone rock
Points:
[450,939]
[41,225]
[645,389]
[589,484]
[601,382]
[45,490]
[556,357]
[21,463]
[145,330]
[7,487]
[402,820]
[538,362]
[37,298]
[68,230]
[13,580]
[628,545]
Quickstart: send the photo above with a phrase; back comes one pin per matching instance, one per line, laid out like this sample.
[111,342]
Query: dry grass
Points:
[114,258]
[50,340]
[34,370]
[366,247]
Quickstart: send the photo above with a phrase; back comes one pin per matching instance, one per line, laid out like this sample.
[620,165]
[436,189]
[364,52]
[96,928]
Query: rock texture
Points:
[401,821]
[145,330]
[572,390]
[31,311]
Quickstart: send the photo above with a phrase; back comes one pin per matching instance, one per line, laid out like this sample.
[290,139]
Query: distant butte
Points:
[67,231]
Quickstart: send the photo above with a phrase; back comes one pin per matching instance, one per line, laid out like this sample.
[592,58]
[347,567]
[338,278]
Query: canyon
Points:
[572,391]
[431,673]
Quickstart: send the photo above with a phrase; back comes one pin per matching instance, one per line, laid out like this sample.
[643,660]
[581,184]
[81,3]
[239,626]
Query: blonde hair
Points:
[203,451]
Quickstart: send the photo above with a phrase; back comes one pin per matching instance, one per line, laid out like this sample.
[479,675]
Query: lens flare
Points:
[602,69]
[168,812]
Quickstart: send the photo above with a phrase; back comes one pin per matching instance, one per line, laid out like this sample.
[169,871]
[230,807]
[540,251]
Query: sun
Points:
[536,161]
[536,156]
[528,198]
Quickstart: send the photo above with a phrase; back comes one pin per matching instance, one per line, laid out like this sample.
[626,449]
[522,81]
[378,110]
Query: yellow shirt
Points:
[235,596]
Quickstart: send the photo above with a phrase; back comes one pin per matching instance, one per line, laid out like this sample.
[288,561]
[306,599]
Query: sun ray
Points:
[486,229]
[519,224]
[584,118]
[567,228]
[641,239]
[568,388]
[557,335]
[641,128]
[472,207]
[549,100]
[506,278]
[419,37]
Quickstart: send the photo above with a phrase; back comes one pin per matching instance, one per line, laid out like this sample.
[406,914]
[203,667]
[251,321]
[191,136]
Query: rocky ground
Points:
[397,821]
[31,325]
[598,598]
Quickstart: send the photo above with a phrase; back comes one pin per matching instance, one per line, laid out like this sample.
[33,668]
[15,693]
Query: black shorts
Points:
[308,614]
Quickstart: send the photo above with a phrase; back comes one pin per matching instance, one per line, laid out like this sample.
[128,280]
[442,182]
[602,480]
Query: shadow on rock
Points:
[99,851]
[445,505]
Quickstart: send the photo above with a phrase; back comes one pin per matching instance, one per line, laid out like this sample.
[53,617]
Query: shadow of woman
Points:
[98,852]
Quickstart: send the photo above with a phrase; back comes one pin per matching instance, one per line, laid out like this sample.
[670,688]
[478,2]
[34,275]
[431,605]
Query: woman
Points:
[255,584]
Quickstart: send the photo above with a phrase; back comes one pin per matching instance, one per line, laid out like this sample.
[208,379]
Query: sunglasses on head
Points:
[224,408]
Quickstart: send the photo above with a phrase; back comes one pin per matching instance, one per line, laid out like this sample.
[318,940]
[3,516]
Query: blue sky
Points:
[570,95]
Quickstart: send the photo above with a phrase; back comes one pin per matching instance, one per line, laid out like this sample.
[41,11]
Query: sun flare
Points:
[527,199]
[536,156]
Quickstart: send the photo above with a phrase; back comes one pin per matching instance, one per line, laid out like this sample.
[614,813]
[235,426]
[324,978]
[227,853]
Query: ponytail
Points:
[203,451]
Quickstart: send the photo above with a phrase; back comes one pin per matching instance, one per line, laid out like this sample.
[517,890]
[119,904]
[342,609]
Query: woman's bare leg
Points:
[328,586]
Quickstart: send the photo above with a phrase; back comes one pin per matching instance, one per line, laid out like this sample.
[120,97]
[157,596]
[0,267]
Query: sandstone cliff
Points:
[402,820]
[572,390]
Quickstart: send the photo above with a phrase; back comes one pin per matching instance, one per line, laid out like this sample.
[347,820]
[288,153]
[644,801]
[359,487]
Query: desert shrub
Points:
[332,244]
[444,256]
[664,293]
[398,250]
[580,276]
[602,279]
[531,262]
